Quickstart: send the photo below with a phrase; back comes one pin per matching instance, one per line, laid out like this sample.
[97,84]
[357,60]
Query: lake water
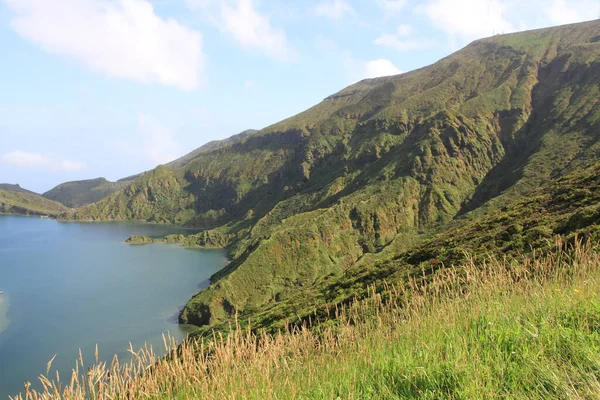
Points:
[74,285]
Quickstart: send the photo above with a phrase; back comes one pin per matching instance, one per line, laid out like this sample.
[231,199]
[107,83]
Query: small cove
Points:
[74,285]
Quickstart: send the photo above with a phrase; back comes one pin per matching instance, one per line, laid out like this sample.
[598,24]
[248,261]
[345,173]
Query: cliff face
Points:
[364,174]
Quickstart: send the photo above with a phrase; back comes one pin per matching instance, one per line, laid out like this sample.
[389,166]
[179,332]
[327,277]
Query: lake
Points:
[74,285]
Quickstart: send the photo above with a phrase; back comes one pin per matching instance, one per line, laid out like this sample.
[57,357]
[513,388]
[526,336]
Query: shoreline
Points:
[4,320]
[124,221]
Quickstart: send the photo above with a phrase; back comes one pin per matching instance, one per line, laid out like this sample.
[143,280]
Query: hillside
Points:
[213,145]
[14,188]
[374,171]
[568,207]
[24,202]
[210,146]
[80,193]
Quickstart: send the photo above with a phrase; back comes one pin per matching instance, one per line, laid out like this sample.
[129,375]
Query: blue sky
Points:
[111,88]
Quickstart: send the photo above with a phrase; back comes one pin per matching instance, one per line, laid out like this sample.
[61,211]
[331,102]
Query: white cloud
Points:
[40,161]
[158,142]
[334,9]
[26,160]
[197,4]
[68,165]
[392,6]
[563,12]
[251,85]
[404,30]
[253,30]
[380,67]
[468,19]
[120,38]
[357,70]
[402,40]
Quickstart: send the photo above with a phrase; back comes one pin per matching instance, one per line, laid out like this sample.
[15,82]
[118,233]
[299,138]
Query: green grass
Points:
[28,203]
[539,339]
[527,329]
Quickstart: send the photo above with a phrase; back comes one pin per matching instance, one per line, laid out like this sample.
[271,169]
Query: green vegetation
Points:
[524,329]
[81,193]
[387,174]
[569,207]
[28,203]
[140,240]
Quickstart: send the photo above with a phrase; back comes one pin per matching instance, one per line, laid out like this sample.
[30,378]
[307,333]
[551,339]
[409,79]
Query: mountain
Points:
[378,169]
[80,193]
[16,200]
[213,145]
[14,188]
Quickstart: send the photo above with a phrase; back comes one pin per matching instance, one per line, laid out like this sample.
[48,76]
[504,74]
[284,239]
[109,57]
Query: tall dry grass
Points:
[442,335]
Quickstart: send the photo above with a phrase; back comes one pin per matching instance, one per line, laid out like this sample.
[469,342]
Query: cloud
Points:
[334,9]
[158,142]
[120,38]
[468,19]
[253,30]
[40,161]
[251,85]
[562,12]
[380,67]
[358,70]
[68,165]
[392,6]
[197,4]
[402,40]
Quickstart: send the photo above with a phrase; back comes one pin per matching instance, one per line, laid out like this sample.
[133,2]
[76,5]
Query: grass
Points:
[495,329]
[28,203]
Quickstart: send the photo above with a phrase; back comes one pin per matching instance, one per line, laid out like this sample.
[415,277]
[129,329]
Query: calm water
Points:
[70,285]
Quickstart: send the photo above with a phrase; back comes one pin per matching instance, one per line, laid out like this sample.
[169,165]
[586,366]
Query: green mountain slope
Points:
[569,206]
[80,193]
[24,202]
[371,170]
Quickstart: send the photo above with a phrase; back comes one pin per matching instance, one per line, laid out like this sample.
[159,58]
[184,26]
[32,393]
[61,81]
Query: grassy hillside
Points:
[372,171]
[80,193]
[28,203]
[497,329]
[569,207]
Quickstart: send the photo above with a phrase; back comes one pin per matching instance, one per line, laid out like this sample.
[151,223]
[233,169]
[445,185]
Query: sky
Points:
[110,88]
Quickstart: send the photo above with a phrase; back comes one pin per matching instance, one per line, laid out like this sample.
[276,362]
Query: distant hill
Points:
[24,202]
[14,188]
[80,193]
